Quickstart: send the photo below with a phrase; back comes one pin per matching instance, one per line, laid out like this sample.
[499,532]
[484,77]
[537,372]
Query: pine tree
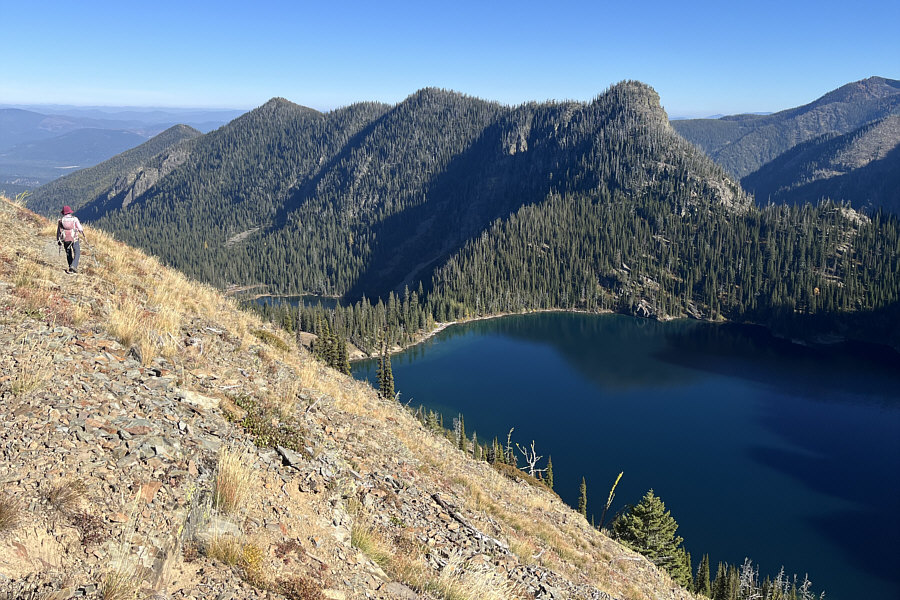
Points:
[343,357]
[688,577]
[720,583]
[548,479]
[385,377]
[701,582]
[462,433]
[582,498]
[648,528]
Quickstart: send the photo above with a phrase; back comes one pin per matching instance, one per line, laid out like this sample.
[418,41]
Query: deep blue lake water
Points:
[759,447]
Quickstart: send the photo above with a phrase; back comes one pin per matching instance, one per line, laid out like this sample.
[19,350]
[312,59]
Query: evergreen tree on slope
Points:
[648,528]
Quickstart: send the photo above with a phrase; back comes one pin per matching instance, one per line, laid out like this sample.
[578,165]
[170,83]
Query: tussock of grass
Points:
[225,548]
[286,395]
[267,337]
[79,314]
[234,481]
[125,322]
[66,495]
[366,539]
[10,512]
[459,581]
[120,582]
[236,551]
[153,331]
[31,367]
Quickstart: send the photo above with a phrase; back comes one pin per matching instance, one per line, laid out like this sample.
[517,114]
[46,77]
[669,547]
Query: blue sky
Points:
[702,57]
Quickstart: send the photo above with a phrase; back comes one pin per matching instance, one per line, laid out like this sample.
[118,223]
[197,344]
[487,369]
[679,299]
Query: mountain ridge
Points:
[743,143]
[405,175]
[859,167]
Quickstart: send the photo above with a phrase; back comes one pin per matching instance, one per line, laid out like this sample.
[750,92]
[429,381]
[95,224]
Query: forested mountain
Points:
[370,197]
[115,180]
[861,167]
[744,143]
[481,208]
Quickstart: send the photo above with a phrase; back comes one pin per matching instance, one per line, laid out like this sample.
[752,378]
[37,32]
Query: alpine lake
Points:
[759,447]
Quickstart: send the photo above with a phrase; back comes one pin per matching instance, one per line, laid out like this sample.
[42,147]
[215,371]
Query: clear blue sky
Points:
[702,57]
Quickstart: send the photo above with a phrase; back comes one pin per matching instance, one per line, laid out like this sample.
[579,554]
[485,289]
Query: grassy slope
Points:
[153,313]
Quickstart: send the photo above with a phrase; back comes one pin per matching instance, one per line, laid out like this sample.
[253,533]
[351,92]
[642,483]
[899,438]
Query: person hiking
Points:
[68,229]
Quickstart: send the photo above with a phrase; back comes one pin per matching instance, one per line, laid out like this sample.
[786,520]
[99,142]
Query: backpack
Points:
[68,233]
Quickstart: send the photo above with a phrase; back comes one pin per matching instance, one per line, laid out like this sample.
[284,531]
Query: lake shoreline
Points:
[441,326]
[814,340]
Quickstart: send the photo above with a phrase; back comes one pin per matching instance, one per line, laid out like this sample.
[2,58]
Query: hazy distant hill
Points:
[37,147]
[743,143]
[23,123]
[113,179]
[19,126]
[861,167]
[48,159]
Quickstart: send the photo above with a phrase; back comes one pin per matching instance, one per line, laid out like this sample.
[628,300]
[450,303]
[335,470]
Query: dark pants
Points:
[73,254]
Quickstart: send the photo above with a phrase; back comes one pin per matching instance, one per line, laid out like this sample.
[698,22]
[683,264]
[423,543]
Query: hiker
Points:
[67,230]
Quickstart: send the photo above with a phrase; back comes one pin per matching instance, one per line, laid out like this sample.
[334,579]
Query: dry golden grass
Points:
[403,558]
[153,331]
[365,538]
[125,321]
[238,551]
[31,367]
[459,581]
[235,481]
[10,512]
[80,314]
[120,582]
[66,495]
[225,548]
[286,395]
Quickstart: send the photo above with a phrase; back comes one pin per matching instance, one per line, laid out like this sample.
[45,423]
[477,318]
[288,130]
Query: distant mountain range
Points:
[861,167]
[842,146]
[37,147]
[744,143]
[372,197]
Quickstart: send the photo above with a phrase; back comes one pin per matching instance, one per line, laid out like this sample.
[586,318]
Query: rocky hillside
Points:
[157,443]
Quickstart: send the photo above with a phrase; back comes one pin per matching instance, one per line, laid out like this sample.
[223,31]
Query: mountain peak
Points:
[279,105]
[639,97]
[864,90]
